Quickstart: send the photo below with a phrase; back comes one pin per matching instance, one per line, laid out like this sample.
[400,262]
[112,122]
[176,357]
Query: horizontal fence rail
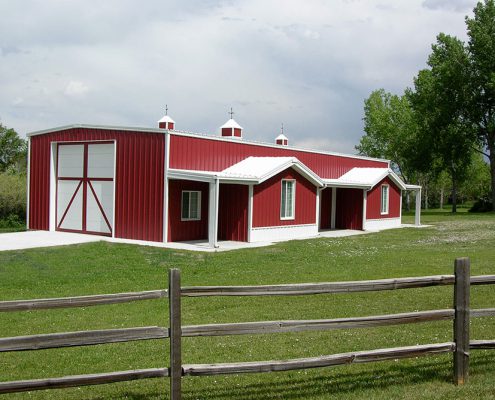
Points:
[460,314]
[81,380]
[249,328]
[81,338]
[482,344]
[79,301]
[318,362]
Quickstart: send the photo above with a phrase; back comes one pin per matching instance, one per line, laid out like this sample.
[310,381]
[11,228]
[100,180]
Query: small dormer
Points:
[166,122]
[282,140]
[231,128]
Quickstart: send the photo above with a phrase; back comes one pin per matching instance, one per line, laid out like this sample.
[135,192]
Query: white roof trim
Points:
[365,178]
[412,187]
[200,135]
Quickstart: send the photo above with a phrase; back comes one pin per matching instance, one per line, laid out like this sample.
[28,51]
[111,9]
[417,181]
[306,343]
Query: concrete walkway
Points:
[35,239]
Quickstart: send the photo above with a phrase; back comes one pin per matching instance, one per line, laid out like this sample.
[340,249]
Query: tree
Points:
[13,149]
[390,126]
[481,110]
[441,92]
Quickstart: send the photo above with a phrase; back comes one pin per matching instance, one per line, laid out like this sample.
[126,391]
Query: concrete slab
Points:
[34,239]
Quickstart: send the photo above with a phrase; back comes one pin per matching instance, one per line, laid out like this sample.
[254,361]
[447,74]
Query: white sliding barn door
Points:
[85,181]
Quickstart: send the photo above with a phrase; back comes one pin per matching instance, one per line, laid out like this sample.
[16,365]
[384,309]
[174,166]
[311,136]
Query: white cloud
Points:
[307,64]
[75,88]
[456,5]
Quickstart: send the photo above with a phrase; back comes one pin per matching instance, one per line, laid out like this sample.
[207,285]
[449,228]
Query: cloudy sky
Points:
[309,64]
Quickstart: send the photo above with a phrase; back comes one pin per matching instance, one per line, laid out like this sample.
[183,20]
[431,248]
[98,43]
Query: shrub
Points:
[483,204]
[12,197]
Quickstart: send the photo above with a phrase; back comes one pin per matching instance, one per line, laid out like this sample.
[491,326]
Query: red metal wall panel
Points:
[186,230]
[195,153]
[233,212]
[349,209]
[138,183]
[373,201]
[267,198]
[326,208]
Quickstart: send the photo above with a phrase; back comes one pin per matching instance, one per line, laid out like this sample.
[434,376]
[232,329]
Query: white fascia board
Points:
[299,167]
[395,178]
[191,175]
[412,187]
[347,185]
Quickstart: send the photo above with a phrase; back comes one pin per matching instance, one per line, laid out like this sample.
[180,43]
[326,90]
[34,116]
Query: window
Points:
[288,199]
[384,202]
[191,206]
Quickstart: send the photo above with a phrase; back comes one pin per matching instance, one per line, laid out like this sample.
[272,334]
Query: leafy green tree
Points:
[481,108]
[13,150]
[445,137]
[389,127]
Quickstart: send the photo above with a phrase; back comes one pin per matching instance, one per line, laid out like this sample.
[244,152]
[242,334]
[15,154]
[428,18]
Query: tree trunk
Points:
[408,201]
[454,193]
[441,198]
[492,175]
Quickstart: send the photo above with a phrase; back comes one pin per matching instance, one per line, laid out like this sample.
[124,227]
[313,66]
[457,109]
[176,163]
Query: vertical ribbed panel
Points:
[374,201]
[267,198]
[215,155]
[349,209]
[186,230]
[138,181]
[326,208]
[233,212]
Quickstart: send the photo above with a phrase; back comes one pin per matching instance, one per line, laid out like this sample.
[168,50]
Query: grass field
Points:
[109,268]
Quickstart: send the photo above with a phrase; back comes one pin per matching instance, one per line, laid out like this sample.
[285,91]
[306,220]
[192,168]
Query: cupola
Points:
[166,122]
[231,128]
[281,139]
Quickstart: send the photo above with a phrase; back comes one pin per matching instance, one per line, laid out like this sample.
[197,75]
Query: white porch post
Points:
[417,213]
[365,201]
[334,203]
[250,212]
[213,213]
[318,207]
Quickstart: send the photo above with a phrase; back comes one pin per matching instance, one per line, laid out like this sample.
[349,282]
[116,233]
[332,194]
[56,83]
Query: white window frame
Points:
[384,207]
[198,218]
[293,209]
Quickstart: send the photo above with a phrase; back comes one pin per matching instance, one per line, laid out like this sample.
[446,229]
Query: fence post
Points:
[461,320]
[175,333]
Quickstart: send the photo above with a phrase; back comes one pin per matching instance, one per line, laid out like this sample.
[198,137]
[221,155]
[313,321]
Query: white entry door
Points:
[85,182]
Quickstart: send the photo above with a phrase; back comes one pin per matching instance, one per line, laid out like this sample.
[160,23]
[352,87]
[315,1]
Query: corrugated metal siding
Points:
[215,155]
[139,180]
[233,212]
[373,202]
[325,208]
[186,230]
[267,197]
[349,209]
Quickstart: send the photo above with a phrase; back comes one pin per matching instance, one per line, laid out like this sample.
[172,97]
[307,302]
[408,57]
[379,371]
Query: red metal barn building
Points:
[166,185]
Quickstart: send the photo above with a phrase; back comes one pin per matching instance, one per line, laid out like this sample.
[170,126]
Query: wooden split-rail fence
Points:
[460,314]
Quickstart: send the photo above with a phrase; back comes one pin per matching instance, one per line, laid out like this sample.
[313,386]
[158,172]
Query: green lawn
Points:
[109,268]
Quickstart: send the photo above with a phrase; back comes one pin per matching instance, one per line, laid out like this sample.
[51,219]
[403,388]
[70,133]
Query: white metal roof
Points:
[252,169]
[281,137]
[166,118]
[231,123]
[365,178]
